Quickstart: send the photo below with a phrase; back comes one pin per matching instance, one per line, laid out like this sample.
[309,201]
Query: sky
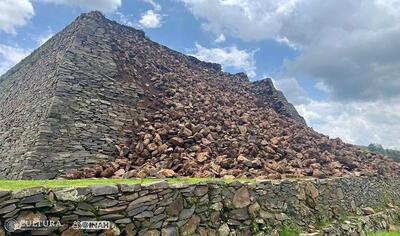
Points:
[337,61]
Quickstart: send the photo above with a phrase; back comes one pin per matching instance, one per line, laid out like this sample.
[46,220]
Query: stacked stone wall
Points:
[70,102]
[26,94]
[93,108]
[215,208]
[65,106]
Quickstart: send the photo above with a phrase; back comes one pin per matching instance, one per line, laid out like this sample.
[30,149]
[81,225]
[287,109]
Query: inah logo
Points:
[91,225]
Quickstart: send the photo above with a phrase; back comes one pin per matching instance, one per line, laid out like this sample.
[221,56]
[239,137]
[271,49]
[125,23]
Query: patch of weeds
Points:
[254,226]
[289,230]
[324,222]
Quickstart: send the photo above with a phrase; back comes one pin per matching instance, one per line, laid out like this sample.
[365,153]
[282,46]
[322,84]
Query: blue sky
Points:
[338,62]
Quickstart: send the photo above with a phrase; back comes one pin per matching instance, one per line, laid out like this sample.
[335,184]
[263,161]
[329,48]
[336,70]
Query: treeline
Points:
[375,147]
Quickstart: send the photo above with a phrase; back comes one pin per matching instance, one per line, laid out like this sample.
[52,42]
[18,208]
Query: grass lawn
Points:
[6,184]
[397,233]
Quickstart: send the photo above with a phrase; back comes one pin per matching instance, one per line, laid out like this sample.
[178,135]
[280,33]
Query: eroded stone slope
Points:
[196,120]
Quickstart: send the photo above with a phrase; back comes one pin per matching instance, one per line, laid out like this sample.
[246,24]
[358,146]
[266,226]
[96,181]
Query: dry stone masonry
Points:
[62,107]
[343,206]
[100,99]
[270,96]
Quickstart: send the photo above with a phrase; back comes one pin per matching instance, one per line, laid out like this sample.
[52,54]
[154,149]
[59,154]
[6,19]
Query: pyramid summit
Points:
[103,99]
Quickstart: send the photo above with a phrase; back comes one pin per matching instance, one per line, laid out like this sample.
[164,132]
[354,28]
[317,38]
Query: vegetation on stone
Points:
[289,231]
[394,154]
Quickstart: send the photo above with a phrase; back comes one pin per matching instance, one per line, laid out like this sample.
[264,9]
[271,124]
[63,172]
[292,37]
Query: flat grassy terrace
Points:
[6,184]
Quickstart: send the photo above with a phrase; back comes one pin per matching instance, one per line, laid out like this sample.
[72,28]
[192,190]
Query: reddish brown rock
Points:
[202,156]
[119,173]
[108,172]
[196,120]
[176,141]
[187,132]
[89,173]
[74,174]
[152,146]
[166,173]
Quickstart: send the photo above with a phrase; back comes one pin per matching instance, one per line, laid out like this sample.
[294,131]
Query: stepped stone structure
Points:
[72,100]
[275,98]
[64,103]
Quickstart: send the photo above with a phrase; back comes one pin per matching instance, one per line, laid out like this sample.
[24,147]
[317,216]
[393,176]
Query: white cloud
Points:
[286,41]
[150,19]
[10,55]
[220,39]
[350,49]
[42,38]
[351,46]
[156,6]
[123,19]
[321,86]
[246,19]
[100,5]
[356,122]
[228,57]
[292,90]
[15,14]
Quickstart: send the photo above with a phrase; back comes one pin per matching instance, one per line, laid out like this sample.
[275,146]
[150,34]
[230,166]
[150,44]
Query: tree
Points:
[377,148]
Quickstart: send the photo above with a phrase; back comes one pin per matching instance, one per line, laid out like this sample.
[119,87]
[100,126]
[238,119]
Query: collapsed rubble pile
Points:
[201,122]
[207,127]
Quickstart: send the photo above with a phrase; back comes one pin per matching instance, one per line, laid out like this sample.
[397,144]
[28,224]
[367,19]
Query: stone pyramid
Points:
[71,101]
[100,99]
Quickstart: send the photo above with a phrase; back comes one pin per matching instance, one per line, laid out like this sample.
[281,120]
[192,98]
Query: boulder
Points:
[175,207]
[202,156]
[368,210]
[98,190]
[166,173]
[191,225]
[224,230]
[241,198]
[177,141]
[130,229]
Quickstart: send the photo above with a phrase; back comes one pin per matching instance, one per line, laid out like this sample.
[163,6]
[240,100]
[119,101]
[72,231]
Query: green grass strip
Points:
[6,184]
